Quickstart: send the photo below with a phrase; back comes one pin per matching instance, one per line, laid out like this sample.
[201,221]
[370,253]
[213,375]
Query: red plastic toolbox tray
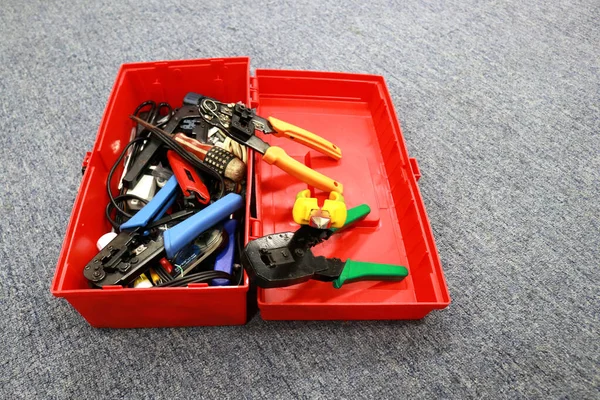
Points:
[356,113]
[226,79]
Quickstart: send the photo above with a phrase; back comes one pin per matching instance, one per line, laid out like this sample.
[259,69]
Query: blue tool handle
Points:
[184,232]
[156,208]
[224,261]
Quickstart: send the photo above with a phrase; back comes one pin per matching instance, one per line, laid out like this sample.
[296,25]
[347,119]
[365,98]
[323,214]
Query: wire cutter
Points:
[240,123]
[284,259]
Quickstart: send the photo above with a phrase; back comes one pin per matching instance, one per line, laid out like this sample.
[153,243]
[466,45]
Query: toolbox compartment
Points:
[351,110]
[117,307]
[356,113]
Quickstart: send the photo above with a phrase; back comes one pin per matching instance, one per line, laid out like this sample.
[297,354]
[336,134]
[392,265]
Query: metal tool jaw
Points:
[123,259]
[239,121]
[190,121]
[244,123]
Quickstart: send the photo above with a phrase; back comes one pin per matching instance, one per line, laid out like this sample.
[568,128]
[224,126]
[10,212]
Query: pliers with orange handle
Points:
[240,123]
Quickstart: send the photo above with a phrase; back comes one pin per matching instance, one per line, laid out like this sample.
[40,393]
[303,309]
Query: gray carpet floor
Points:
[499,102]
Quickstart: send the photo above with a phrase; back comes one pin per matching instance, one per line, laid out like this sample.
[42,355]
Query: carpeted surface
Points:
[498,101]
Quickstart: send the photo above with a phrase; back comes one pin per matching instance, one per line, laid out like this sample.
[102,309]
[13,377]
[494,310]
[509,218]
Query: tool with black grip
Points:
[151,114]
[130,254]
[284,259]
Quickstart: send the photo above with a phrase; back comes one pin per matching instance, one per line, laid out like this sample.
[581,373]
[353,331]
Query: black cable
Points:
[112,171]
[163,275]
[195,278]
[176,216]
[238,240]
[207,277]
[109,206]
[153,116]
[137,112]
[170,143]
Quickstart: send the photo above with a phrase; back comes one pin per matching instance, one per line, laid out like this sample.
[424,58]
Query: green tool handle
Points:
[355,214]
[365,271]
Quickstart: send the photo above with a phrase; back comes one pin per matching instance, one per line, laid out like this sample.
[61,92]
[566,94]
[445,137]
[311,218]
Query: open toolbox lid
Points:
[355,112]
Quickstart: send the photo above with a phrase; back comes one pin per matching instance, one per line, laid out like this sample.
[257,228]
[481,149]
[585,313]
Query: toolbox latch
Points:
[253,92]
[414,166]
[86,162]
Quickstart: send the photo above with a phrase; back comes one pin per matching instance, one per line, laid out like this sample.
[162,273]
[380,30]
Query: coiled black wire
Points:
[195,278]
[118,199]
[111,198]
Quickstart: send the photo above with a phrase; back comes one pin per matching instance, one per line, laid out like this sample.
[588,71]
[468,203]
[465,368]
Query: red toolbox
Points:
[351,110]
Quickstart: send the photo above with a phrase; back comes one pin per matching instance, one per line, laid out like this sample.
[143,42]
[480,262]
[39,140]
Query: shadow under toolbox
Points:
[353,111]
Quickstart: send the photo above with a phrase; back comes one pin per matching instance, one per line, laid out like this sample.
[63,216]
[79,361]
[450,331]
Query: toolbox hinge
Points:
[255,230]
[253,92]
[414,166]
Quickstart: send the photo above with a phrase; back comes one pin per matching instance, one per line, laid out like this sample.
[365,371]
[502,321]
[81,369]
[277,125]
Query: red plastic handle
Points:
[188,178]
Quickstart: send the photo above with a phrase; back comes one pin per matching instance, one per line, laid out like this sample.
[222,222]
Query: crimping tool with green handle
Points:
[284,259]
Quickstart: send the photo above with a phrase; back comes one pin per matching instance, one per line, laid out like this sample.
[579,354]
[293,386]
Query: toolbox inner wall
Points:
[163,81]
[355,113]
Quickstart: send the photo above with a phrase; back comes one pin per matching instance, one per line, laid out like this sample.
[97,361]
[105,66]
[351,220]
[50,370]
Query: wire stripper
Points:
[240,123]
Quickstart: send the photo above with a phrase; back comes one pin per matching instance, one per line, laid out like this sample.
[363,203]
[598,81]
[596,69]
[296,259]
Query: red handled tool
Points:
[188,179]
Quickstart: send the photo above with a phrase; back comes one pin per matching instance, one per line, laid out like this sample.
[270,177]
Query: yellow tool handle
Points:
[278,157]
[309,139]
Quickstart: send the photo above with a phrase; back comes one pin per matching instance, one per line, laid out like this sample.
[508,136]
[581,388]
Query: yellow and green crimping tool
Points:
[284,259]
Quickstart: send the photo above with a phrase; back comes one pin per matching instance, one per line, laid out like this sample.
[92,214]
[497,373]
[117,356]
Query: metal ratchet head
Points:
[263,125]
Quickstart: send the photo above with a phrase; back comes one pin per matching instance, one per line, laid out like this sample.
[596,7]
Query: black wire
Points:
[240,248]
[110,175]
[139,133]
[109,206]
[164,275]
[176,216]
[170,143]
[195,278]
[152,117]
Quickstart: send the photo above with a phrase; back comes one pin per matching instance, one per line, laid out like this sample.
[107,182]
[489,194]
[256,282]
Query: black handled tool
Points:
[284,259]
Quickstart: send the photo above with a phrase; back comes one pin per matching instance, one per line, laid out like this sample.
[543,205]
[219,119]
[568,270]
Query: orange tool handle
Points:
[278,157]
[309,139]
